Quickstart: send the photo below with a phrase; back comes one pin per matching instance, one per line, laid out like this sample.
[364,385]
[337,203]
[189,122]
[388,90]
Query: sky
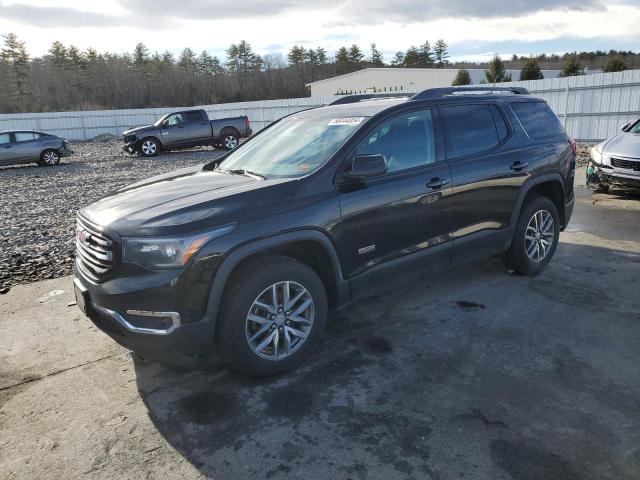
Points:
[474,30]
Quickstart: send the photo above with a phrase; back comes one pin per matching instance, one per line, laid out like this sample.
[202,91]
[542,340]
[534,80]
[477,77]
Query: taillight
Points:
[248,123]
[574,146]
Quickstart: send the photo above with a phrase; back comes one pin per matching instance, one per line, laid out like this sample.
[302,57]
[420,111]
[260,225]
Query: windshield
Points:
[293,147]
[636,128]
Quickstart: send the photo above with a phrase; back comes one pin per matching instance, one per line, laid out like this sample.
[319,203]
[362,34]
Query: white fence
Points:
[87,125]
[592,108]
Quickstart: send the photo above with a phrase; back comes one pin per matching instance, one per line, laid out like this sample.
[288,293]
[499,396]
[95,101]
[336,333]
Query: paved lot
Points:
[476,374]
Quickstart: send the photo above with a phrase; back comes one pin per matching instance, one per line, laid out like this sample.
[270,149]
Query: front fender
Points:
[237,255]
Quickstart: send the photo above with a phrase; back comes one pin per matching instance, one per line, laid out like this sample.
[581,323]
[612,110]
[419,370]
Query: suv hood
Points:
[187,201]
[624,144]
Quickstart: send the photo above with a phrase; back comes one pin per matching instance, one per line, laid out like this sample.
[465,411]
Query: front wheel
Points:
[149,147]
[272,317]
[536,237]
[49,158]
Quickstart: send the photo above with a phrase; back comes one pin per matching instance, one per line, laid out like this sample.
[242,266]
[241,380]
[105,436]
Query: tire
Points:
[526,238]
[230,140]
[49,158]
[149,147]
[254,283]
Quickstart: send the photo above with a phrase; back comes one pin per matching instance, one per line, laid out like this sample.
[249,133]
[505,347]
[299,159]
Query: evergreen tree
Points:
[441,53]
[614,63]
[571,67]
[140,56]
[321,53]
[296,56]
[531,70]
[187,60]
[462,78]
[426,56]
[376,57]
[311,57]
[208,64]
[398,60]
[168,58]
[496,72]
[57,54]
[342,60]
[16,66]
[413,58]
[355,55]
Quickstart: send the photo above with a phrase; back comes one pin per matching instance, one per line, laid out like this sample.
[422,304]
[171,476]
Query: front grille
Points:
[94,250]
[628,164]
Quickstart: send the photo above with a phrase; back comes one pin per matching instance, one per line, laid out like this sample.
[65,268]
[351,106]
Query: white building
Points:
[400,80]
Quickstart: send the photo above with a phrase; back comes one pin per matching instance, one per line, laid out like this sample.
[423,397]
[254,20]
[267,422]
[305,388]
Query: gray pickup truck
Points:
[186,129]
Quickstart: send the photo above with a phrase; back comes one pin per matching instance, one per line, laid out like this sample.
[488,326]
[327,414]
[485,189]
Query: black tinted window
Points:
[471,129]
[537,119]
[407,141]
[193,117]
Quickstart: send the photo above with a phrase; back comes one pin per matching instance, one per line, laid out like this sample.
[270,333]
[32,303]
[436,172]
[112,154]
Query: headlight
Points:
[596,154]
[166,252]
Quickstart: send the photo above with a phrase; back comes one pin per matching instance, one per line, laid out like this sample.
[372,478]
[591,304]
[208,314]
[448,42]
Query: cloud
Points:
[357,12]
[413,11]
[54,17]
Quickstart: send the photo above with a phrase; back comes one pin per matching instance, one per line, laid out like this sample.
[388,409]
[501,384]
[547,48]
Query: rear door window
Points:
[5,138]
[193,117]
[24,136]
[470,129]
[537,119]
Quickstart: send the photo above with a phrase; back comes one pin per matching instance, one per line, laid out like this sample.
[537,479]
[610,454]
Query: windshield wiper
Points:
[246,173]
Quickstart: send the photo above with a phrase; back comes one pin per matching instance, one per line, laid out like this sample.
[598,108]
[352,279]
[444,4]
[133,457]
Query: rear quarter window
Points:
[472,129]
[537,119]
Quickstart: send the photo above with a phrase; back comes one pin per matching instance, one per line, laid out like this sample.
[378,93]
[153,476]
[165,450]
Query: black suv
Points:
[246,255]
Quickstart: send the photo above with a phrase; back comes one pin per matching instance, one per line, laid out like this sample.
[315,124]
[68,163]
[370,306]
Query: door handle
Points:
[437,183]
[518,165]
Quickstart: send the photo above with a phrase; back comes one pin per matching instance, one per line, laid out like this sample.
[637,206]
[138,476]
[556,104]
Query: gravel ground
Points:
[39,204]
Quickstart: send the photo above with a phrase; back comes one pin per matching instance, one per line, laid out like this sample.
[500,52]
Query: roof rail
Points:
[367,96]
[441,92]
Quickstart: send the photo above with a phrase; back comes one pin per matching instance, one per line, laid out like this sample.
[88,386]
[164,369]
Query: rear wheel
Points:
[536,237]
[49,158]
[230,140]
[149,147]
[273,315]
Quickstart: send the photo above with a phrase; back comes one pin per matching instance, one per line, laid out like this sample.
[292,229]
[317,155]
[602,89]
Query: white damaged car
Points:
[616,162]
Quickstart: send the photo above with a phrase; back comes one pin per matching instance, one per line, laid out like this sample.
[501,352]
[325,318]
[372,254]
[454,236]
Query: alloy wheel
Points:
[51,158]
[230,142]
[280,320]
[149,147]
[539,235]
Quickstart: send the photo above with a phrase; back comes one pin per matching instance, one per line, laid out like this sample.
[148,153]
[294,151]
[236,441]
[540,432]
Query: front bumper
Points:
[131,147]
[155,333]
[611,176]
[65,152]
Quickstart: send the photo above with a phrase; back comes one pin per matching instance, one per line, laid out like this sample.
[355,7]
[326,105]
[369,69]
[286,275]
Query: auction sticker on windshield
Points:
[349,121]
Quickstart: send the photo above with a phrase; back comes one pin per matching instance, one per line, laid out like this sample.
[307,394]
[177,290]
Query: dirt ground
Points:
[476,374]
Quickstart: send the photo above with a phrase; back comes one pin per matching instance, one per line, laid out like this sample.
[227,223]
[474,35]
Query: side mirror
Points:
[165,123]
[366,166]
[625,126]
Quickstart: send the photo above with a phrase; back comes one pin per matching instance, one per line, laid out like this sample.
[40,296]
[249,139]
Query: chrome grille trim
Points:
[94,250]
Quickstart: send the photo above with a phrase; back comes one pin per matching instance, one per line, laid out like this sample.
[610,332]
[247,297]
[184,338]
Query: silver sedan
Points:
[28,146]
